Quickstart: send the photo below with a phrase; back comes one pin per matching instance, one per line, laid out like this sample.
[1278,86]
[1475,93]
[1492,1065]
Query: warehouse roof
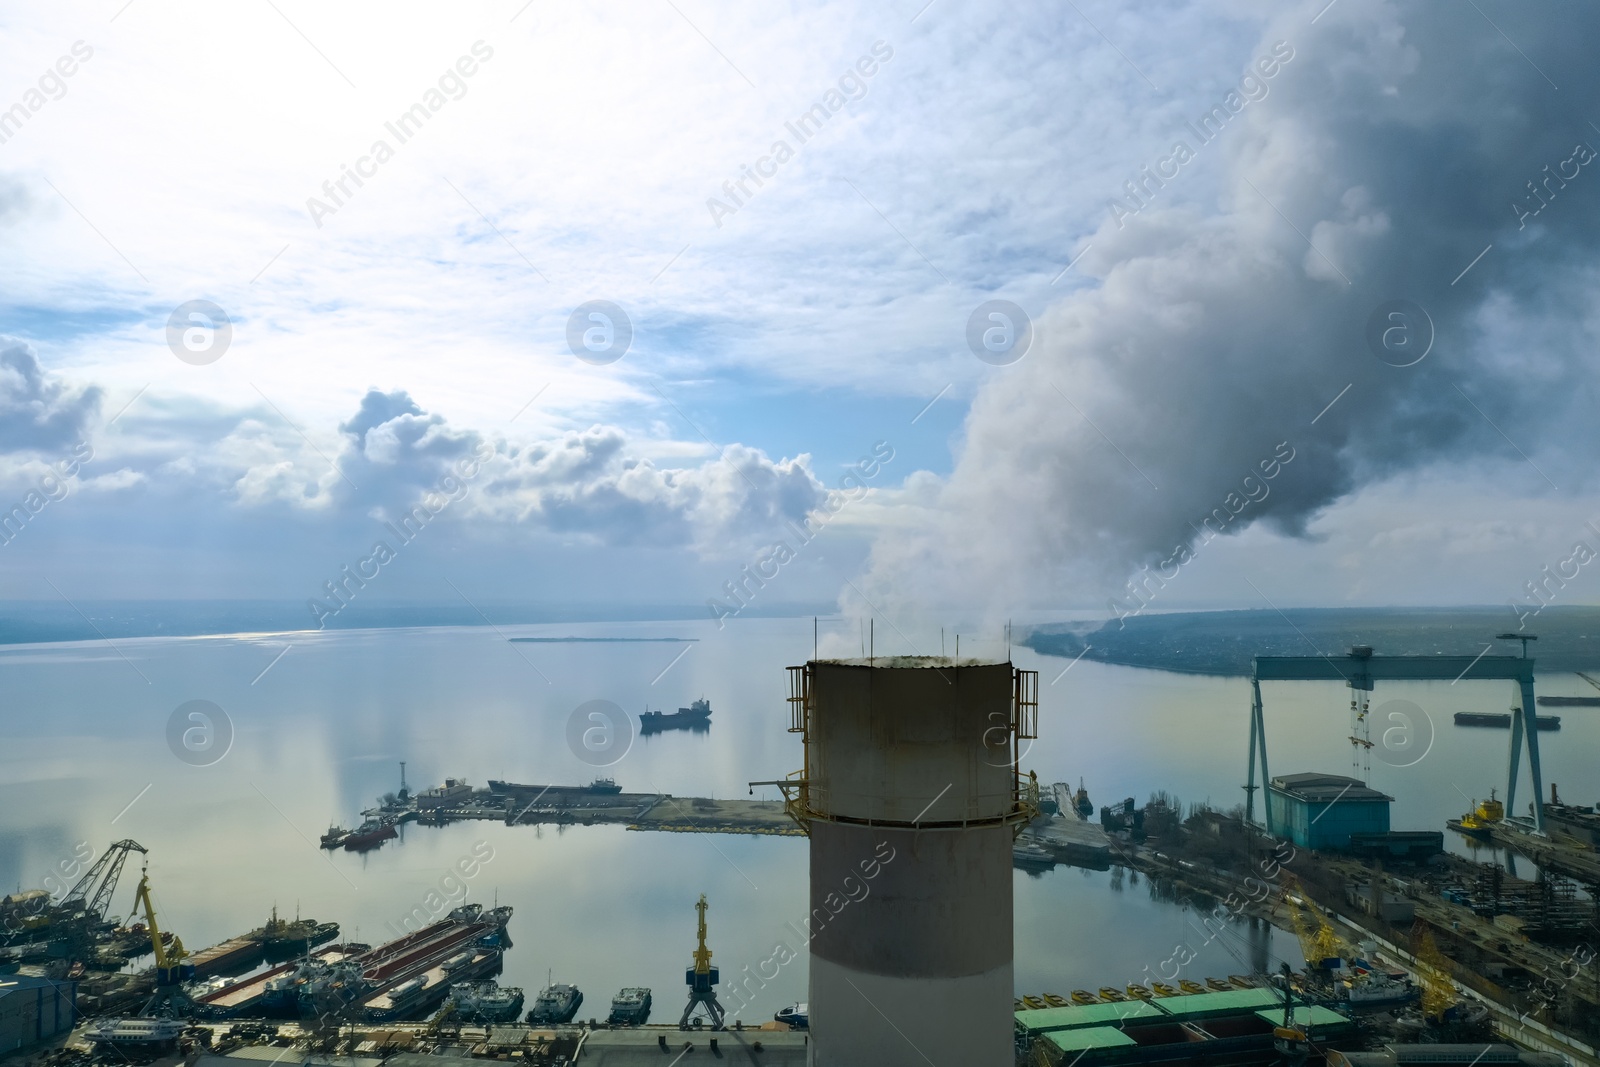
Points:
[1313,1016]
[1074,1016]
[1087,1037]
[1232,1001]
[1318,788]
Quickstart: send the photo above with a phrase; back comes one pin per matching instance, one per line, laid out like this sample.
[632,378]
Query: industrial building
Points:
[34,1009]
[910,790]
[1235,1026]
[1321,811]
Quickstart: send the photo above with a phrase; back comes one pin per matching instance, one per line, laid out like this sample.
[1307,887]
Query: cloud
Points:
[594,484]
[1400,142]
[39,413]
[586,483]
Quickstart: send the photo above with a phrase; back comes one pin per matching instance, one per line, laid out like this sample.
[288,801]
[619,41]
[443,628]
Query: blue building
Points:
[1321,811]
[33,1009]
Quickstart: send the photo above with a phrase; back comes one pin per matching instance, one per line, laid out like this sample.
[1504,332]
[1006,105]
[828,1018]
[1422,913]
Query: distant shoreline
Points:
[601,640]
[1224,643]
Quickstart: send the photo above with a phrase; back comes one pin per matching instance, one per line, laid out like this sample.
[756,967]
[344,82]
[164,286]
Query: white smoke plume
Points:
[1402,140]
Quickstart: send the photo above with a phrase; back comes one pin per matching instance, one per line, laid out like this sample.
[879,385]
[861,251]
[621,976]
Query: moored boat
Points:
[630,1007]
[556,1003]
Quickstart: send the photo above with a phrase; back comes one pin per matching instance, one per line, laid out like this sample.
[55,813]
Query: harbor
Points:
[1085,847]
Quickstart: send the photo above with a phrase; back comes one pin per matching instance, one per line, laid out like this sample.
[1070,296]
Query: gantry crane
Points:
[701,980]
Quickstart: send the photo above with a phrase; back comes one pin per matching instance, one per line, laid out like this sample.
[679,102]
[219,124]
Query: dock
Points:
[584,806]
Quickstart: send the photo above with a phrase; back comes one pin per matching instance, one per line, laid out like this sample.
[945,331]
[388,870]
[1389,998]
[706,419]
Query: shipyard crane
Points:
[1588,678]
[92,893]
[1438,992]
[1290,1040]
[1318,940]
[701,980]
[1360,669]
[171,971]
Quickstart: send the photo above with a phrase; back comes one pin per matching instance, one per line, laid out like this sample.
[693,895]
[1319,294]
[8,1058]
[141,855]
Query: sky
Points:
[915,309]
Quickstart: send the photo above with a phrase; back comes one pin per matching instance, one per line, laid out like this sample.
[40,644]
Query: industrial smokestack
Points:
[911,798]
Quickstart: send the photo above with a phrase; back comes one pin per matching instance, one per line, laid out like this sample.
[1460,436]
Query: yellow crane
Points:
[1438,993]
[1318,940]
[702,979]
[171,971]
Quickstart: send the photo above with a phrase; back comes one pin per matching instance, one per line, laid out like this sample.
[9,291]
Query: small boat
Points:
[1163,990]
[484,1002]
[557,1003]
[1055,1000]
[1139,991]
[334,837]
[1032,856]
[797,1016]
[1378,988]
[1112,995]
[630,1007]
[1241,982]
[1033,1003]
[1218,985]
[1083,996]
[1190,987]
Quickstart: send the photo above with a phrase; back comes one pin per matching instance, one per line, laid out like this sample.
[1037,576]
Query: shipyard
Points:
[1401,942]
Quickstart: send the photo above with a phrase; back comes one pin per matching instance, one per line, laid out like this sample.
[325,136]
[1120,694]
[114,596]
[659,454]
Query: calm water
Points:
[319,736]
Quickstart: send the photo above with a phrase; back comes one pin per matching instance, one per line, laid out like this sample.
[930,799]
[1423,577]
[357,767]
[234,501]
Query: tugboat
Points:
[283,940]
[630,1007]
[335,837]
[1081,802]
[1478,822]
[556,1003]
[372,833]
[697,716]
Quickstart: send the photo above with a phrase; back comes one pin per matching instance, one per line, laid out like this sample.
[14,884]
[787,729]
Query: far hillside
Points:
[1224,642]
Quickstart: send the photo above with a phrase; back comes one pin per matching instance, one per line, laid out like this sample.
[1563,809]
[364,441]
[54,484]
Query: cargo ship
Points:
[372,833]
[230,957]
[598,787]
[630,1007]
[467,945]
[411,976]
[1477,718]
[557,1003]
[697,716]
[1581,824]
[273,993]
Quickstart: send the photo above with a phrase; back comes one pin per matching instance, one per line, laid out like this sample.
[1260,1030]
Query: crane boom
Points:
[169,961]
[93,891]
